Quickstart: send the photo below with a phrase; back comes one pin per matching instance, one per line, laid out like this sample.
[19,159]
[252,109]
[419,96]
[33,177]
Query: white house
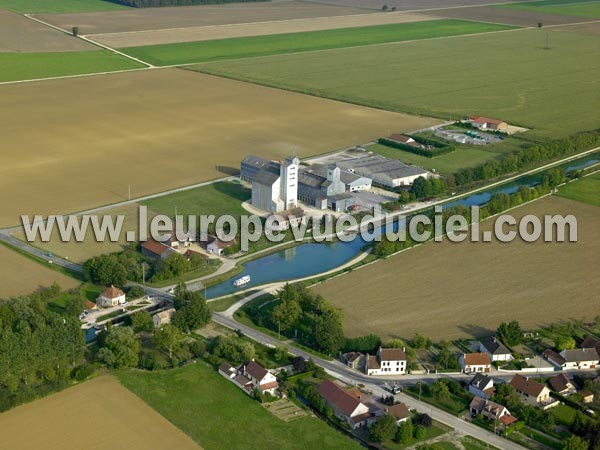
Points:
[474,362]
[216,246]
[491,411]
[387,361]
[496,349]
[112,296]
[345,406]
[531,391]
[163,317]
[481,386]
[261,378]
[575,359]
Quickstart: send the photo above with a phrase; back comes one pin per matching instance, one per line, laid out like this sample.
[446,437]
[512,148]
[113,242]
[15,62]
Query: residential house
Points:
[496,349]
[531,391]
[485,123]
[158,250]
[591,342]
[481,386]
[216,246]
[356,360]
[491,411]
[400,412]
[387,361]
[586,396]
[90,306]
[345,406]
[403,139]
[575,359]
[474,362]
[562,384]
[163,317]
[261,378]
[112,296]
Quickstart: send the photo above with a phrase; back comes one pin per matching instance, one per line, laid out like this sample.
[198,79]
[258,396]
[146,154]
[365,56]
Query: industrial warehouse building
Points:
[386,172]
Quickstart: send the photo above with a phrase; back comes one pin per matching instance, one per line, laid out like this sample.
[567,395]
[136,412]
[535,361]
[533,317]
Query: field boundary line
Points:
[83,38]
[81,75]
[411,41]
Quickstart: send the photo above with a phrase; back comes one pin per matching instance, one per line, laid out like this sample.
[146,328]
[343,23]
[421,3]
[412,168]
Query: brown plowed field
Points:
[193,16]
[19,34]
[134,39]
[98,414]
[73,144]
[451,290]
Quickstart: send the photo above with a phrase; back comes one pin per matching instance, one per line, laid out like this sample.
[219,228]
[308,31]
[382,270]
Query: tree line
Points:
[158,3]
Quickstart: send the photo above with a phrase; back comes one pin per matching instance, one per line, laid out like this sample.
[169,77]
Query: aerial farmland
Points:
[364,112]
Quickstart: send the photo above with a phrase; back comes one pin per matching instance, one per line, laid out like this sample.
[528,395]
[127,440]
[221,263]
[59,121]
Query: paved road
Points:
[14,242]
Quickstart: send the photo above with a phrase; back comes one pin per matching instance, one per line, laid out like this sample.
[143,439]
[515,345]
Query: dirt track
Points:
[134,39]
[98,414]
[451,290]
[72,144]
[193,16]
[19,34]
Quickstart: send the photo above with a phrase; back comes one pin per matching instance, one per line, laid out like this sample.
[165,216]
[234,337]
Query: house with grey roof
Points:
[496,349]
[481,386]
[575,359]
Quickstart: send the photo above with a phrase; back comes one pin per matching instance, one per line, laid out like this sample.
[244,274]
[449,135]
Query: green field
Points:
[218,415]
[216,198]
[249,47]
[58,6]
[30,66]
[445,164]
[510,76]
[586,190]
[579,8]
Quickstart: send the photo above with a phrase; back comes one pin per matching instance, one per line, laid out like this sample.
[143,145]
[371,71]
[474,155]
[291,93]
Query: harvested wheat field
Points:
[138,19]
[70,145]
[98,414]
[451,290]
[154,37]
[19,34]
[21,276]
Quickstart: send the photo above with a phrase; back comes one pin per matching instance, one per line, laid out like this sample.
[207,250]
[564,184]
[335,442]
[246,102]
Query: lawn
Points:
[564,414]
[29,66]
[435,430]
[586,190]
[579,8]
[59,6]
[446,164]
[454,404]
[510,76]
[218,415]
[249,47]
[471,443]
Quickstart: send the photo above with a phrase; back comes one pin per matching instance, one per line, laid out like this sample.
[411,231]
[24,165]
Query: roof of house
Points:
[494,409]
[392,354]
[226,367]
[495,347]
[270,385]
[351,356]
[527,386]
[578,355]
[219,243]
[243,381]
[591,342]
[477,404]
[481,381]
[158,248]
[256,370]
[507,419]
[372,362]
[338,397]
[477,359]
[90,305]
[112,292]
[486,120]
[551,354]
[585,393]
[399,411]
[560,382]
[401,138]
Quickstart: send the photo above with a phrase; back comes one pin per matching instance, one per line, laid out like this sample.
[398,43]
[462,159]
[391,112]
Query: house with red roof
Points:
[111,296]
[345,406]
[485,123]
[475,362]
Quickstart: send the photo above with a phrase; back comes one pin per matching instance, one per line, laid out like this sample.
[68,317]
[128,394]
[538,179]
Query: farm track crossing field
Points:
[31,66]
[79,143]
[20,34]
[127,422]
[507,75]
[580,8]
[586,190]
[248,47]
[218,415]
[139,19]
[154,37]
[22,276]
[59,6]
[452,290]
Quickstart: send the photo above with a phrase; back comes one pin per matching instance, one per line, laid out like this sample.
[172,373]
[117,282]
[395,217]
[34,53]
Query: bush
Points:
[83,372]
[419,432]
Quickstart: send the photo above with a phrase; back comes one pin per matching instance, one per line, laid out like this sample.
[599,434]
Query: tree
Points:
[425,420]
[383,430]
[75,31]
[286,314]
[142,321]
[328,331]
[420,341]
[420,432]
[404,434]
[192,310]
[74,305]
[135,292]
[440,390]
[168,339]
[510,333]
[121,348]
[574,443]
[564,343]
